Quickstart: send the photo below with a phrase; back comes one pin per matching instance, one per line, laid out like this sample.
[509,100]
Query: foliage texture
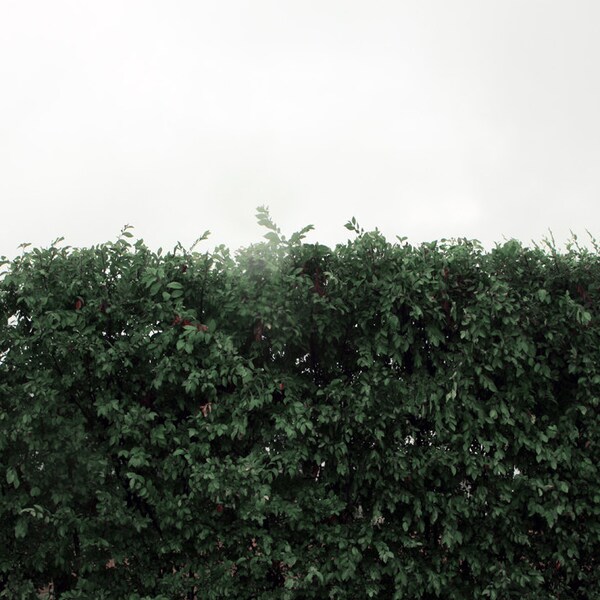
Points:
[294,421]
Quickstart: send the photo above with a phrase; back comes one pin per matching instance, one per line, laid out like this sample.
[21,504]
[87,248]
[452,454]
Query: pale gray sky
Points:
[425,118]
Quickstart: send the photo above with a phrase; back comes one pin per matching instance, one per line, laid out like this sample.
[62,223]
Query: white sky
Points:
[425,118]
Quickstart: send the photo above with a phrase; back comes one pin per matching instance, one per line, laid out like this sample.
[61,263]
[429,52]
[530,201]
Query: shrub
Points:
[295,421]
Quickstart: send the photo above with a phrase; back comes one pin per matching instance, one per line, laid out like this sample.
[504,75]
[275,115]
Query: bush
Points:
[375,420]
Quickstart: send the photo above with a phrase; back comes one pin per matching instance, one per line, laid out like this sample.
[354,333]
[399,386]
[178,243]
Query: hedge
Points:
[374,420]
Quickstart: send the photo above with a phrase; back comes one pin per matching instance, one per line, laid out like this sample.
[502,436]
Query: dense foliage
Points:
[375,420]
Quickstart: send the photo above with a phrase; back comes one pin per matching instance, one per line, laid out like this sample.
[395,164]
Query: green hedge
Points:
[294,421]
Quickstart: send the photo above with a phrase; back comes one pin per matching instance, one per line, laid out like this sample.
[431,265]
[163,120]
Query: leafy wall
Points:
[295,421]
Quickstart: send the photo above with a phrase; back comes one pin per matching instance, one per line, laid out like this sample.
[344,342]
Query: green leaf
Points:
[272,237]
[12,477]
[21,528]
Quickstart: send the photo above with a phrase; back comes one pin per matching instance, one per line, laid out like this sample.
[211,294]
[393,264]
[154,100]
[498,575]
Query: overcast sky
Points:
[428,119]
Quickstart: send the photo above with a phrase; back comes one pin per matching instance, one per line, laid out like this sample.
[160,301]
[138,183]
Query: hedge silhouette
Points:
[295,421]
